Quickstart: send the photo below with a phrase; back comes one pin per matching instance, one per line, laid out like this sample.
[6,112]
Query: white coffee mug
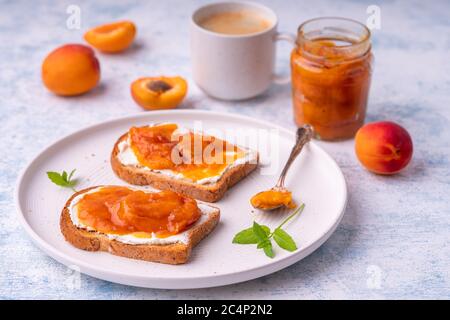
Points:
[235,67]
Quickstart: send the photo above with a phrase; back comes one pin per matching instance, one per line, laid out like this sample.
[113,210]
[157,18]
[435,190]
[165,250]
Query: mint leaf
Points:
[64,176]
[62,179]
[71,183]
[268,250]
[247,236]
[71,174]
[57,178]
[259,232]
[265,228]
[284,240]
[263,244]
[262,236]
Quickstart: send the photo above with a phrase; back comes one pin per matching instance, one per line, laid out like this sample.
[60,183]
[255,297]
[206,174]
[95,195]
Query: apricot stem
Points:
[297,211]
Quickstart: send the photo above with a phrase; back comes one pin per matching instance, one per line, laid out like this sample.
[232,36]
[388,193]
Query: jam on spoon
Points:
[279,196]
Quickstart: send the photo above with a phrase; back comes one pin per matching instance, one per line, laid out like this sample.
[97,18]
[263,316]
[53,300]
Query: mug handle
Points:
[282,36]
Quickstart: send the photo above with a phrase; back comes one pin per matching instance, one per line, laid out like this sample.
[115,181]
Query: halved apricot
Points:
[154,93]
[112,37]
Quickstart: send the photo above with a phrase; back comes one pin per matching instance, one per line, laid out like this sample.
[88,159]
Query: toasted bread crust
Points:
[209,192]
[177,253]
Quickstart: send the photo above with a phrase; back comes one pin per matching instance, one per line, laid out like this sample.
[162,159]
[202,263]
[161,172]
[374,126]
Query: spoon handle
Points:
[303,135]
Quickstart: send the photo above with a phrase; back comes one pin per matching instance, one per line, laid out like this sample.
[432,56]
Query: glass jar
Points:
[331,70]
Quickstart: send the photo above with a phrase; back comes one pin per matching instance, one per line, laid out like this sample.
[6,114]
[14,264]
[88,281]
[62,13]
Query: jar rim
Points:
[365,37]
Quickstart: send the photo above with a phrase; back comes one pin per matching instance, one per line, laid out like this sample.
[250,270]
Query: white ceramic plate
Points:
[314,178]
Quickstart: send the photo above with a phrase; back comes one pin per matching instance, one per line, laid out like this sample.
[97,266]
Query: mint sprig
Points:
[63,179]
[262,236]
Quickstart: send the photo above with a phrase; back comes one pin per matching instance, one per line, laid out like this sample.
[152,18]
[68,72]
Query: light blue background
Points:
[394,239]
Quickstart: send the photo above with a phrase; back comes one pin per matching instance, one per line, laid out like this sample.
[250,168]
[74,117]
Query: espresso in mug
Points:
[235,22]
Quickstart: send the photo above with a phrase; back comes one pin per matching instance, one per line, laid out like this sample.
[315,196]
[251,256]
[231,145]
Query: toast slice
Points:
[210,192]
[175,253]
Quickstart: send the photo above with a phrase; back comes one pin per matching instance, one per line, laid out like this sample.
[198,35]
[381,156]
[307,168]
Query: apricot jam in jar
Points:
[331,70]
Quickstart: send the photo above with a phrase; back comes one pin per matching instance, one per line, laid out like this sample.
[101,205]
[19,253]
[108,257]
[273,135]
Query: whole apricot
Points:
[112,37]
[153,93]
[383,147]
[71,70]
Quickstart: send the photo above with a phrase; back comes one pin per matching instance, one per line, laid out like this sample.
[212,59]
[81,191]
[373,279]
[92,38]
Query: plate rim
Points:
[172,283]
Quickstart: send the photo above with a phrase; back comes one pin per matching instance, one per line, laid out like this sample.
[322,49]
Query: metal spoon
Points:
[303,136]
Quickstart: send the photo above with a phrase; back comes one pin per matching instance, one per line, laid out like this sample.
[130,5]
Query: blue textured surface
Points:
[394,239]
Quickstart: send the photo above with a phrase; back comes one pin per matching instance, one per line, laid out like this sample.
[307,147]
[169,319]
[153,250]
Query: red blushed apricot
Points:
[71,70]
[154,93]
[383,147]
[112,37]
